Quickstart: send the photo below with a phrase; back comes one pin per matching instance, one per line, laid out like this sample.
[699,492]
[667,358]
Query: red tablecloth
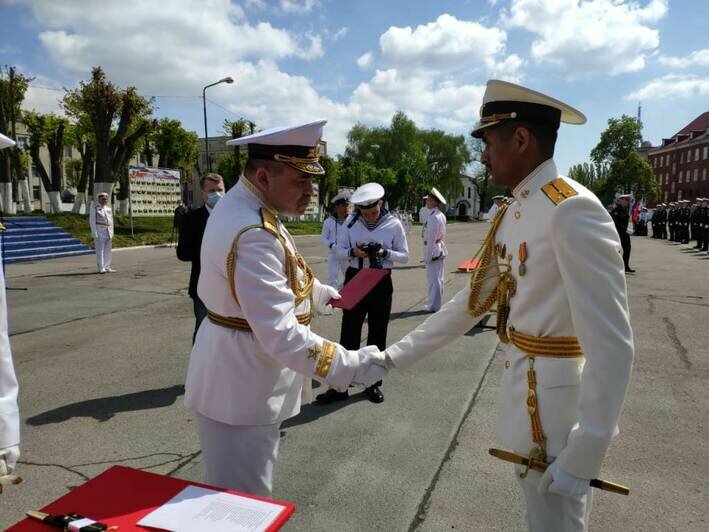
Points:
[122,496]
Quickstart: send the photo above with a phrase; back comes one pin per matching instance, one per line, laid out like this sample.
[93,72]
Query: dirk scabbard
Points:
[542,466]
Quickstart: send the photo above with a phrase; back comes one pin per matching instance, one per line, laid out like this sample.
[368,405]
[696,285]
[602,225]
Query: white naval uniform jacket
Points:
[434,234]
[574,286]
[330,230]
[9,413]
[101,220]
[389,232]
[253,378]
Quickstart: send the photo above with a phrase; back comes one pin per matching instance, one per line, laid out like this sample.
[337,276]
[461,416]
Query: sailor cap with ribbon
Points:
[507,101]
[5,142]
[367,195]
[342,197]
[435,194]
[296,146]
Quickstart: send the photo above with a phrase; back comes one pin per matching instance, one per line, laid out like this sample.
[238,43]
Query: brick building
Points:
[681,162]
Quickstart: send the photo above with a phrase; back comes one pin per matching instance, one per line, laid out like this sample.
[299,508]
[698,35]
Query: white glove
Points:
[372,366]
[557,481]
[323,293]
[8,459]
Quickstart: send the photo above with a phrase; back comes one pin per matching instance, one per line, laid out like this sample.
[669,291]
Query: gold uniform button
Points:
[507,364]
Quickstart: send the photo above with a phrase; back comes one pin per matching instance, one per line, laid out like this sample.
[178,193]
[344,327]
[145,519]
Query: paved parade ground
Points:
[101,361]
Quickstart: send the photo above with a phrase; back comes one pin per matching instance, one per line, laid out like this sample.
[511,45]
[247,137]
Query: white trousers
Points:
[434,275]
[237,457]
[103,251]
[336,271]
[553,513]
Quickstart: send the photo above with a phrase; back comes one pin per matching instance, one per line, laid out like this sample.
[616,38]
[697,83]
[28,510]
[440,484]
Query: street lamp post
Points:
[228,79]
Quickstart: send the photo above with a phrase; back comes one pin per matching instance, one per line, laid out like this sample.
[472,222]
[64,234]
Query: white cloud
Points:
[672,86]
[590,36]
[179,51]
[340,34]
[365,60]
[43,100]
[294,6]
[444,45]
[696,58]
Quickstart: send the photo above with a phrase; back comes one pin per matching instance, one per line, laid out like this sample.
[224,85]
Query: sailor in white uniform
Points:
[552,266]
[373,238]
[434,249]
[331,227]
[254,354]
[497,202]
[9,412]
[101,222]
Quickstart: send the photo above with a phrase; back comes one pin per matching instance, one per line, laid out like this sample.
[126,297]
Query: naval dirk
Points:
[542,466]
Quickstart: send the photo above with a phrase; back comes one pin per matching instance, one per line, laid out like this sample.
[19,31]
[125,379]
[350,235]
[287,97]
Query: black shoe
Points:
[629,270]
[331,396]
[374,394]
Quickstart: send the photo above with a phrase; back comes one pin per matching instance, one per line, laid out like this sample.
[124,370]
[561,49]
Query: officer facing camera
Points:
[373,238]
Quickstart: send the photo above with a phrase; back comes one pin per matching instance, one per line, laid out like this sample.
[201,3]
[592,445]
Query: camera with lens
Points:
[372,250]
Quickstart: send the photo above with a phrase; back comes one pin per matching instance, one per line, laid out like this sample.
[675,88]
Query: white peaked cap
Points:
[367,194]
[6,142]
[437,195]
[344,195]
[302,135]
[296,146]
[506,101]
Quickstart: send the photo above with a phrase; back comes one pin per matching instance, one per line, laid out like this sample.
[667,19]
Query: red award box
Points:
[358,287]
[122,496]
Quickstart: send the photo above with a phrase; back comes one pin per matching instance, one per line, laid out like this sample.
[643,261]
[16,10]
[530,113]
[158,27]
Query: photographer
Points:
[372,238]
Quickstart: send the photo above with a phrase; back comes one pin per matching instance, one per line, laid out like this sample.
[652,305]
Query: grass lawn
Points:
[147,229]
[152,229]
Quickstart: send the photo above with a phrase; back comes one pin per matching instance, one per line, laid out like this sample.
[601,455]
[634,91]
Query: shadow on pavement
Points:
[315,411]
[104,408]
[408,314]
[74,274]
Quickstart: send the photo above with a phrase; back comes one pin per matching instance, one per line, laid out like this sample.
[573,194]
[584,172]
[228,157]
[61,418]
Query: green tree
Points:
[48,130]
[118,118]
[225,167]
[406,160]
[585,174]
[619,167]
[79,136]
[13,87]
[327,183]
[176,147]
[237,129]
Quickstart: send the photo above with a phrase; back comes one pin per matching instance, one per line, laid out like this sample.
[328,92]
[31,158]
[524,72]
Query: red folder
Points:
[468,265]
[122,496]
[358,287]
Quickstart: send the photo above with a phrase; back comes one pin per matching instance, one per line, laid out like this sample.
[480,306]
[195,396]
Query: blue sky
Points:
[360,61]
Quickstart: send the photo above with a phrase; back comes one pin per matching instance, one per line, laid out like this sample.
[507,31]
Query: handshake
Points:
[370,363]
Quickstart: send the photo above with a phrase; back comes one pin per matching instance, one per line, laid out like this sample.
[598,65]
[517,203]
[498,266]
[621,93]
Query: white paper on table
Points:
[195,509]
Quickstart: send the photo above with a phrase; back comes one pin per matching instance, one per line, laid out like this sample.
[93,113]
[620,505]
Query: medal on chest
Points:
[522,259]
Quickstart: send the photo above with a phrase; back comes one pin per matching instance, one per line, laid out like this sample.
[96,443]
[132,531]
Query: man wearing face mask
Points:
[190,241]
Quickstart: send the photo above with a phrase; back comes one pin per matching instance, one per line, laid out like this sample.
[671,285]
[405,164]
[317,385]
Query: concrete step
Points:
[40,243]
[31,258]
[44,250]
[49,234]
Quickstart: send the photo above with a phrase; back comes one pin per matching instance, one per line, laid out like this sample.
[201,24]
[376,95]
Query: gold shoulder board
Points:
[558,190]
[269,220]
